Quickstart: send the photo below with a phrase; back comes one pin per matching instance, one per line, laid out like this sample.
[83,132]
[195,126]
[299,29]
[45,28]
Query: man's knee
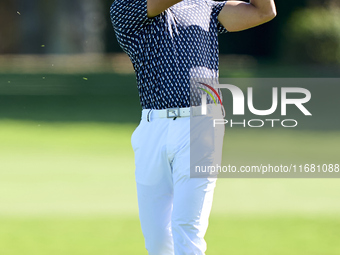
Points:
[188,238]
[158,243]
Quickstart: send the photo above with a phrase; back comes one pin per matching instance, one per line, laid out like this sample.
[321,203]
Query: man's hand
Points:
[156,7]
[237,15]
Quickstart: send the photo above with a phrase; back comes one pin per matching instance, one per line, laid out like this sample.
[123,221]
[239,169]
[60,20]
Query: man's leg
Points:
[191,208]
[154,185]
[155,207]
[193,196]
[192,204]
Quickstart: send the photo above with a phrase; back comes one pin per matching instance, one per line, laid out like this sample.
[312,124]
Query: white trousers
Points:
[174,208]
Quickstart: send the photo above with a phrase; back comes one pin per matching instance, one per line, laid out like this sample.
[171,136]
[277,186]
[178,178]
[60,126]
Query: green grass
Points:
[273,235]
[113,235]
[65,168]
[76,236]
[67,172]
[68,188]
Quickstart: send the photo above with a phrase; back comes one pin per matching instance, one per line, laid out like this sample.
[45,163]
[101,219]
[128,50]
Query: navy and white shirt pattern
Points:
[170,49]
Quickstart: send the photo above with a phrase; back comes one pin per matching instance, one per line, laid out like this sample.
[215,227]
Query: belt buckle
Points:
[172,113]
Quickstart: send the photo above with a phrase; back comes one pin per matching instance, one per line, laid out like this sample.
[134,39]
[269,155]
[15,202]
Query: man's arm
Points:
[156,7]
[238,15]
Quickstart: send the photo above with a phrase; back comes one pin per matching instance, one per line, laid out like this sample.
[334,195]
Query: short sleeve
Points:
[216,9]
[129,15]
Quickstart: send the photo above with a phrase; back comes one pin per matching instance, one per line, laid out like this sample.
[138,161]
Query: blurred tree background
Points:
[63,26]
[306,31]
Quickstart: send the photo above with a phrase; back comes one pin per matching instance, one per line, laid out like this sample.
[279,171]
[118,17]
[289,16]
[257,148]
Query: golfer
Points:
[170,43]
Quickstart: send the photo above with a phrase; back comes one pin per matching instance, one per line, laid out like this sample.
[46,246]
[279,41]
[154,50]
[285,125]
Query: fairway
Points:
[68,188]
[75,77]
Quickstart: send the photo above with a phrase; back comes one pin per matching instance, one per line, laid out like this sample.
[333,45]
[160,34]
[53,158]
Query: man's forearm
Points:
[239,15]
[265,7]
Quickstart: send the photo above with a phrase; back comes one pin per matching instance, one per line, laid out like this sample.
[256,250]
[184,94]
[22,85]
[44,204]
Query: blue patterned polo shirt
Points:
[170,49]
